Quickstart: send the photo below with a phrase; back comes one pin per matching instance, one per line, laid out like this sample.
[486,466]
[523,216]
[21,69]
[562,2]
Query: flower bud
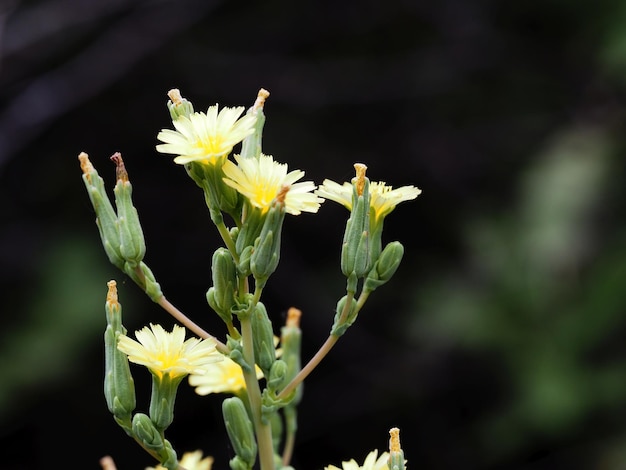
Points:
[132,244]
[240,430]
[119,388]
[290,341]
[263,338]
[355,248]
[251,145]
[341,322]
[146,433]
[385,266]
[162,400]
[144,278]
[251,229]
[277,375]
[177,105]
[106,218]
[221,296]
[266,253]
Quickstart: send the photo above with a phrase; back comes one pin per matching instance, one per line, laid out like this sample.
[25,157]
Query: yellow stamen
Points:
[85,164]
[260,99]
[112,294]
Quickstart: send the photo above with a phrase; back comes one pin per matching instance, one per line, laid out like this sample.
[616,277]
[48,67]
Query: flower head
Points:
[372,462]
[222,377]
[383,200]
[168,353]
[206,137]
[191,461]
[262,179]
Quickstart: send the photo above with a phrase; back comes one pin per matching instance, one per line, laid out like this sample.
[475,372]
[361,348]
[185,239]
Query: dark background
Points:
[500,342]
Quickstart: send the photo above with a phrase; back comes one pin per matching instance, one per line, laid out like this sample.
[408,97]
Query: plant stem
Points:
[186,321]
[263,430]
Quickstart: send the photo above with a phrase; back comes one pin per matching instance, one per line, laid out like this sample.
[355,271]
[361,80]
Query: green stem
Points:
[325,348]
[263,430]
[192,326]
[228,240]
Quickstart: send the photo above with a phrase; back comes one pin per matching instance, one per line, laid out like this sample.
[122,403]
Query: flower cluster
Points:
[265,383]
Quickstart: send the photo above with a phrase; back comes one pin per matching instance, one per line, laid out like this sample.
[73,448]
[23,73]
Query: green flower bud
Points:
[221,296]
[251,229]
[168,456]
[132,244]
[277,375]
[177,105]
[145,431]
[251,145]
[290,341]
[162,400]
[266,253]
[119,388]
[106,218]
[340,326]
[237,463]
[355,251]
[385,266]
[263,334]
[240,430]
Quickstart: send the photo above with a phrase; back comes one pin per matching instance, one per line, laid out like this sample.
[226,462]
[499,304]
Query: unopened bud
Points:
[263,333]
[177,105]
[277,375]
[240,430]
[266,253]
[145,431]
[385,267]
[106,218]
[119,388]
[290,341]
[355,250]
[221,296]
[251,145]
[132,243]
[344,320]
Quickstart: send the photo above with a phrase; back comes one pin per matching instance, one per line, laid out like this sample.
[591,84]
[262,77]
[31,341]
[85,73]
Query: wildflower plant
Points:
[257,366]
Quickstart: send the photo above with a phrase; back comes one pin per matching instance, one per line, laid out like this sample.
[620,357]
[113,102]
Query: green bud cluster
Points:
[120,232]
[384,267]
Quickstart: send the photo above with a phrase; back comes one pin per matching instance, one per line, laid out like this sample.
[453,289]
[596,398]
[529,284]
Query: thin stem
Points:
[263,430]
[228,240]
[326,347]
[186,321]
[290,438]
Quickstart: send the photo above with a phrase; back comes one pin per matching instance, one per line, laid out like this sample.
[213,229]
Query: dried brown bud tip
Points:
[175,96]
[394,441]
[112,292]
[85,164]
[120,169]
[293,317]
[260,99]
[360,177]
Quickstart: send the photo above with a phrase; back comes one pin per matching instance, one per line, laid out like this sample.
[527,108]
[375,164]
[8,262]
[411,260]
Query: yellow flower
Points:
[222,377]
[191,461]
[261,179]
[206,137]
[168,353]
[372,462]
[383,200]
